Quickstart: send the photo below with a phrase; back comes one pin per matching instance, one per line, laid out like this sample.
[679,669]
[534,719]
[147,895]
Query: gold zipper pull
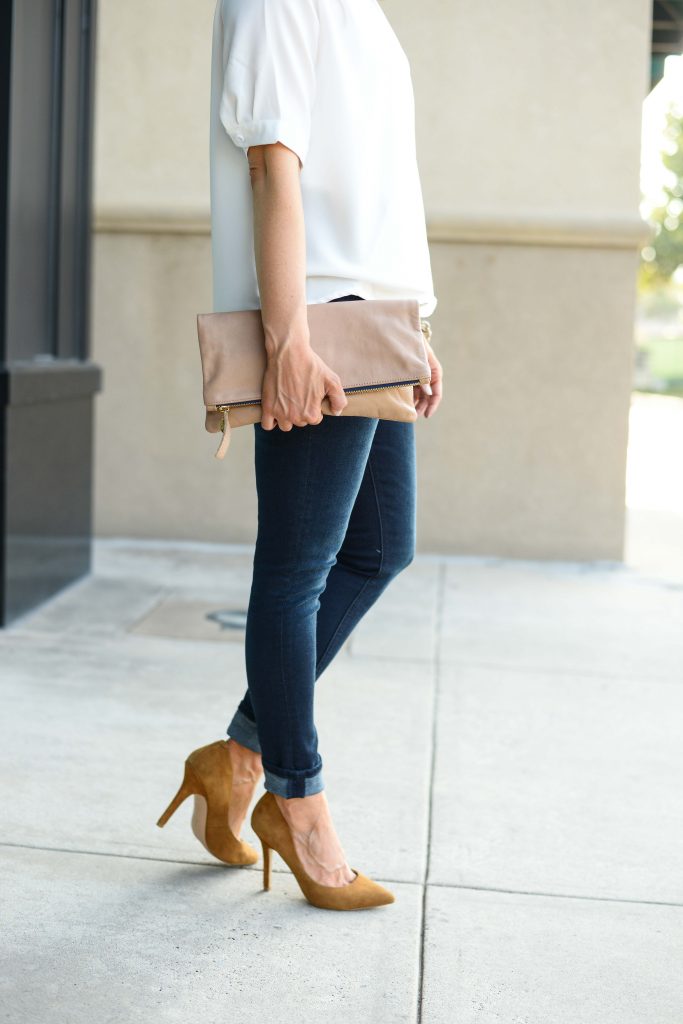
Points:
[227,431]
[426,329]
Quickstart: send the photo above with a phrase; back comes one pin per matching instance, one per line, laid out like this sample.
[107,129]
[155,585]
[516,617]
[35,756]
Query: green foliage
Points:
[664,255]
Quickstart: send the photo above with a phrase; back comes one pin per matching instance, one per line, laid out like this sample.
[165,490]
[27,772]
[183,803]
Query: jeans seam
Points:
[374,576]
[351,606]
[378,506]
[300,540]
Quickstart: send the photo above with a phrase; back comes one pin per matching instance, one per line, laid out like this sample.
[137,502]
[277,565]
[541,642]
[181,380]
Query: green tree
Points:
[665,253]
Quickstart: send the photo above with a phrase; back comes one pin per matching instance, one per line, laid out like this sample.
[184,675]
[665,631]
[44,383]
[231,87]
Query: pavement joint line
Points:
[253,868]
[154,606]
[96,639]
[555,895]
[527,669]
[389,881]
[246,548]
[436,662]
[548,671]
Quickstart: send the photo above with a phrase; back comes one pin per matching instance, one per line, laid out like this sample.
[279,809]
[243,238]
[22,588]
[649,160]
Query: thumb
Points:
[336,396]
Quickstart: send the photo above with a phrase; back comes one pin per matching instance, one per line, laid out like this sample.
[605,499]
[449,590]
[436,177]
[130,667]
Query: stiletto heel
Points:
[270,826]
[266,866]
[187,788]
[208,776]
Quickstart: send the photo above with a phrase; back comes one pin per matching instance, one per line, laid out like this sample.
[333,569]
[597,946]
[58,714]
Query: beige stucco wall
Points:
[528,126]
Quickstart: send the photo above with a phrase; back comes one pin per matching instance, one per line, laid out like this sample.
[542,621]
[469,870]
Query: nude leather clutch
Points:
[377,347]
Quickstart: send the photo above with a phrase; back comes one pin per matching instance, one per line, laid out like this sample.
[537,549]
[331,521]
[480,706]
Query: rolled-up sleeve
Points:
[269,72]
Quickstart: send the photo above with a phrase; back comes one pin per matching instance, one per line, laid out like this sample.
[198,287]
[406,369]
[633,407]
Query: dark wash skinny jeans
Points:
[336,523]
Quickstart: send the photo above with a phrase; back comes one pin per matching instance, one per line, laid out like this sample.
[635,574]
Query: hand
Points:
[294,384]
[427,398]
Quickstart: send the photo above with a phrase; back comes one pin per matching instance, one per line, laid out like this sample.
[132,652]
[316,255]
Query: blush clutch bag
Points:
[377,347]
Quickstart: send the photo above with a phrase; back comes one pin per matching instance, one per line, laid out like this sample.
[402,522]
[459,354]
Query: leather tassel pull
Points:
[225,440]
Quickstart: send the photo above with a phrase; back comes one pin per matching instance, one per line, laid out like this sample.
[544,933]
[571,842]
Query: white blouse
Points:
[330,80]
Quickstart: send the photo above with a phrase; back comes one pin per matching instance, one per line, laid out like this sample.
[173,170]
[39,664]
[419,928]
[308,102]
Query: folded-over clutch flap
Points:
[367,342]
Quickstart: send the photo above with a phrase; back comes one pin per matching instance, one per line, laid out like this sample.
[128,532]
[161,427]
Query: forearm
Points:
[279,247]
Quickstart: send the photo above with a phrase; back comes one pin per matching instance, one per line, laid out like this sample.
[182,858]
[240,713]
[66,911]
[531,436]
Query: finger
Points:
[419,400]
[267,421]
[336,396]
[284,424]
[436,380]
[312,415]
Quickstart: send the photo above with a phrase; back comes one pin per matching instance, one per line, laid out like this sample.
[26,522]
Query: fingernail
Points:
[427,388]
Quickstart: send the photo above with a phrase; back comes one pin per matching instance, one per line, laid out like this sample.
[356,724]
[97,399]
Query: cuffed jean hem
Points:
[244,731]
[293,787]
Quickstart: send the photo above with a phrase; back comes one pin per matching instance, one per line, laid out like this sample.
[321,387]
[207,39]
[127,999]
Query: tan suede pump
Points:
[208,776]
[270,826]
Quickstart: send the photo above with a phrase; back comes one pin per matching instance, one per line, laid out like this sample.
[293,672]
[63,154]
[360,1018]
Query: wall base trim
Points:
[535,229]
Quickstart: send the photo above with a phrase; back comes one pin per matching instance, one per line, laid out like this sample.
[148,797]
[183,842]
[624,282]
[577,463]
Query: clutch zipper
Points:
[348,391]
[225,408]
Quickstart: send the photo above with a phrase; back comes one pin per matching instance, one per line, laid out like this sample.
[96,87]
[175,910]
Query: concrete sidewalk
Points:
[501,745]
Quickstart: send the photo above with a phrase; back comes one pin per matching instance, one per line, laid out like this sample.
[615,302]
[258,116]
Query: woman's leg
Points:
[379,542]
[307,482]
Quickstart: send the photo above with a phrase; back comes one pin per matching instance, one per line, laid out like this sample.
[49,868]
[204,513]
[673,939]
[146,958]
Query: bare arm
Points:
[296,379]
